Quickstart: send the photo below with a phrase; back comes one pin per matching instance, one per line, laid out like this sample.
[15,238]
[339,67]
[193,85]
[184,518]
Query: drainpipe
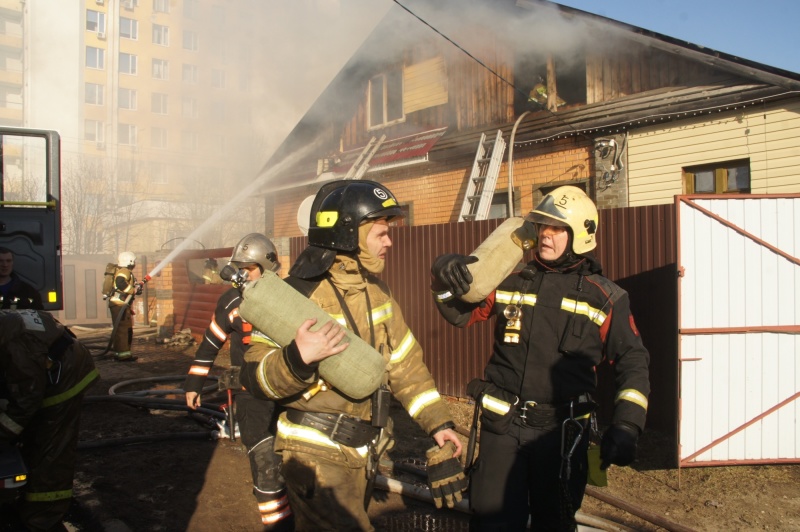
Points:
[511,165]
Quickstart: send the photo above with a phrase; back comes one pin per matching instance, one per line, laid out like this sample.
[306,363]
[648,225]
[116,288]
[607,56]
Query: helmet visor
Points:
[547,213]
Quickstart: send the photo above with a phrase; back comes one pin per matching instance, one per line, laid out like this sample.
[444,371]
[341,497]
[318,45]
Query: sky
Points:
[764,31]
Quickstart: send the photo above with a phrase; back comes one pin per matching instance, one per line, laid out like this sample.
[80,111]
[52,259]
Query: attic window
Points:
[385,99]
[732,177]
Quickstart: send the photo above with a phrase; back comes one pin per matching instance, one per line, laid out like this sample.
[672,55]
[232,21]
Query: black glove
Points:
[139,288]
[451,270]
[618,446]
[446,478]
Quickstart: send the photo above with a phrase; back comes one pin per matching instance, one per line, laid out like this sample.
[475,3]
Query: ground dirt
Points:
[157,469]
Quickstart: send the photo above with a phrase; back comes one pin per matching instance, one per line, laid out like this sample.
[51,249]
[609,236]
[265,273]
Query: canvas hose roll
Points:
[498,255]
[357,371]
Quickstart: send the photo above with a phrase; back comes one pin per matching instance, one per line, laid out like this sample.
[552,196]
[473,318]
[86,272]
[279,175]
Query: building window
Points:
[218,78]
[190,40]
[127,99]
[385,99]
[161,6]
[189,141]
[93,94]
[93,130]
[731,177]
[160,35]
[128,28]
[127,134]
[127,63]
[158,173]
[95,21]
[160,69]
[189,107]
[189,73]
[158,137]
[159,103]
[95,57]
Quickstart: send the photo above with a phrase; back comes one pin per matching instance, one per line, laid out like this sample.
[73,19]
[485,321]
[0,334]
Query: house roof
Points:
[750,82]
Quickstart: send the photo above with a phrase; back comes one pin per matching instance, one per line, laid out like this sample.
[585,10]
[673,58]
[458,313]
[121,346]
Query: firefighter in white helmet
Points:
[252,256]
[120,303]
[331,443]
[556,320]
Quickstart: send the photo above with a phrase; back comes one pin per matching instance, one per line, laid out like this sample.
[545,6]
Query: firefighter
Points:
[253,255]
[330,443]
[557,319]
[44,373]
[14,292]
[120,303]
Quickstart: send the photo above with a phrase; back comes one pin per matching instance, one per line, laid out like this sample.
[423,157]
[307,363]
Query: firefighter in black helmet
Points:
[556,320]
[253,255]
[331,443]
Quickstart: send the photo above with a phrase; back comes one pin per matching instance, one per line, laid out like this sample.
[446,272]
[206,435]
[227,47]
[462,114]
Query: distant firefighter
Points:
[125,290]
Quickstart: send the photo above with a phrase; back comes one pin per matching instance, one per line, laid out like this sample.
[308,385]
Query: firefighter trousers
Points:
[517,475]
[123,334]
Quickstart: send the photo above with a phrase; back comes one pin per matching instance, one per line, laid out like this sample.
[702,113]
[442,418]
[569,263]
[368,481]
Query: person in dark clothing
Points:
[14,292]
[557,319]
[254,254]
[44,373]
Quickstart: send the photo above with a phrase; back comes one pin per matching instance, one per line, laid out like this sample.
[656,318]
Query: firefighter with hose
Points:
[44,374]
[331,442]
[556,320]
[123,291]
[253,255]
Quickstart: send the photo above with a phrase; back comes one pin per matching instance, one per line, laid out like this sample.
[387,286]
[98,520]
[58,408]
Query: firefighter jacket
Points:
[571,319]
[225,324]
[17,294]
[124,287]
[41,365]
[280,373]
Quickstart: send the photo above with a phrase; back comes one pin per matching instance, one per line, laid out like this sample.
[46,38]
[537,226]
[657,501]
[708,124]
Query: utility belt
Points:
[340,428]
[536,414]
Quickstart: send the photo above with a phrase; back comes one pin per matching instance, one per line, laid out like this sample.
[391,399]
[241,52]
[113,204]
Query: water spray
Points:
[264,176]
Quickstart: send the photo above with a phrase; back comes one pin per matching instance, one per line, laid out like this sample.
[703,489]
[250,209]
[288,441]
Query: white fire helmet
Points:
[570,207]
[126,259]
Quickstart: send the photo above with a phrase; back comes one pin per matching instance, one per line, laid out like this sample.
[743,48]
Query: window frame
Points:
[388,87]
[99,131]
[194,40]
[721,177]
[97,90]
[100,58]
[160,6]
[162,31]
[162,135]
[131,136]
[192,70]
[133,64]
[133,99]
[132,32]
[159,69]
[100,22]
[159,103]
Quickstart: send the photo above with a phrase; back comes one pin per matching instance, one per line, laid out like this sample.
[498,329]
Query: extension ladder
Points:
[361,165]
[483,179]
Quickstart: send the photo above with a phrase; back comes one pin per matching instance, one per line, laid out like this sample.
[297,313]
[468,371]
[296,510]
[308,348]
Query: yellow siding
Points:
[769,136]
[424,85]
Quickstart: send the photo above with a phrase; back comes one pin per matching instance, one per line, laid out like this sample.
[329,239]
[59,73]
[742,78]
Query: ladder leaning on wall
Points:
[483,179]
[361,165]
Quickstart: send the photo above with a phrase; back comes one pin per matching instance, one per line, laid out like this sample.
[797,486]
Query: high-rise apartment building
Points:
[157,102]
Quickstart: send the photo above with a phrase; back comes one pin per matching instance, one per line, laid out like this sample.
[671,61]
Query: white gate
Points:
[739,329]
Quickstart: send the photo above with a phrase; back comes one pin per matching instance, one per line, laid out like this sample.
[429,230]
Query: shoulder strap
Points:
[304,286]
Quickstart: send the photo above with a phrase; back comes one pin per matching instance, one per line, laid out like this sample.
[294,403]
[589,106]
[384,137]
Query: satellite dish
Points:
[304,214]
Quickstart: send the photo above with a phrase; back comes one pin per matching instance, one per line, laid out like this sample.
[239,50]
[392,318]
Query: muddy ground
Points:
[155,469]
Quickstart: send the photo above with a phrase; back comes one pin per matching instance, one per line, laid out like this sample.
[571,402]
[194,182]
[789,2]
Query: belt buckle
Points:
[335,428]
[525,409]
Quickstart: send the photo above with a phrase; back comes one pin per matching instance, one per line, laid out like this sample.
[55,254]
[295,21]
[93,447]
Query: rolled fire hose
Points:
[498,255]
[277,310]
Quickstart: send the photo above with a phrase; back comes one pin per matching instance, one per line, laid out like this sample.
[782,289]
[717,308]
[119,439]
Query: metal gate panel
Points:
[739,329]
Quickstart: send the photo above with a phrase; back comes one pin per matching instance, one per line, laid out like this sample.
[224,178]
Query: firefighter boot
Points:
[269,489]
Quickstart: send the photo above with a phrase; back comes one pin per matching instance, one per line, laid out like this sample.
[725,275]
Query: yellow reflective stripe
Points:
[634,396]
[339,319]
[72,392]
[579,307]
[424,399]
[199,371]
[271,506]
[293,431]
[382,313]
[10,424]
[268,519]
[495,405]
[518,299]
[261,375]
[261,338]
[403,349]
[45,496]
